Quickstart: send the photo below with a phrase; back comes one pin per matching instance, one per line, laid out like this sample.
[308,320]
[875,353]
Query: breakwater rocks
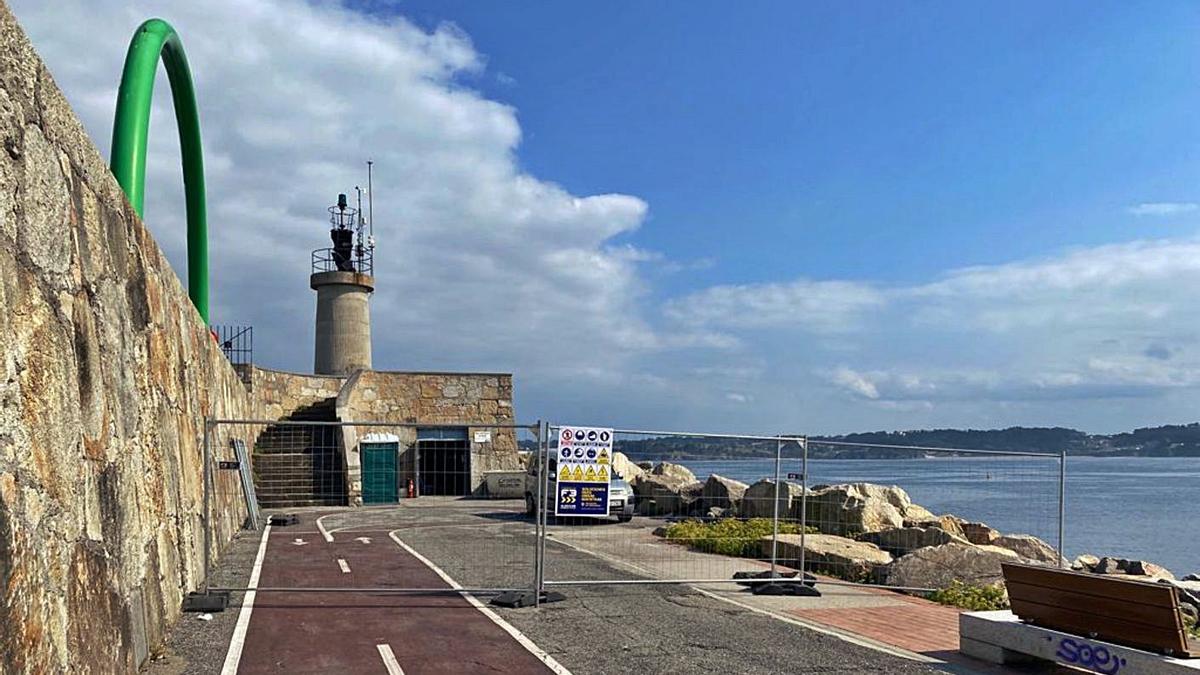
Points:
[857,531]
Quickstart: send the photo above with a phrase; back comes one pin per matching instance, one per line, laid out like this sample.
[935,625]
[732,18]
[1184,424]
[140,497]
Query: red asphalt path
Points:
[341,632]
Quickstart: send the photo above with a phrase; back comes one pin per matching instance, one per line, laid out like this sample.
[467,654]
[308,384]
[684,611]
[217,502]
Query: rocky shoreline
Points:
[871,533]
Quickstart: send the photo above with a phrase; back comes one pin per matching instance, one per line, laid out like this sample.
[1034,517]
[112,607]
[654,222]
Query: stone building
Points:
[450,429]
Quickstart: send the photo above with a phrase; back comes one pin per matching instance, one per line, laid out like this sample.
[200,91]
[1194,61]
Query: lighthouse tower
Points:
[343,277]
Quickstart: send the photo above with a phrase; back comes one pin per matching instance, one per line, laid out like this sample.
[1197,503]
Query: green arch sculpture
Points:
[131,127]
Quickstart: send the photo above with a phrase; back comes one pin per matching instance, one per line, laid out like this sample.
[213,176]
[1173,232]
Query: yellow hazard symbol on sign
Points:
[603,474]
[578,475]
[591,473]
[565,474]
[603,459]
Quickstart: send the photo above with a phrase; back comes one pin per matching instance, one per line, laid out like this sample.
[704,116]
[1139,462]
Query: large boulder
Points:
[830,554]
[949,522]
[854,508]
[940,566]
[917,512]
[722,492]
[904,540]
[1029,548]
[1148,569]
[1085,563]
[623,467]
[1145,571]
[979,533]
[759,500]
[677,472]
[1188,592]
[665,495]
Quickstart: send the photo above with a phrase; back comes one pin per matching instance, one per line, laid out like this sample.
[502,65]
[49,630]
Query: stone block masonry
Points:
[107,373]
[430,398]
[278,394]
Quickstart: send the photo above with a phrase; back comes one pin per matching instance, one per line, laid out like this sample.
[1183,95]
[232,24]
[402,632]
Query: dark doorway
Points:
[444,462]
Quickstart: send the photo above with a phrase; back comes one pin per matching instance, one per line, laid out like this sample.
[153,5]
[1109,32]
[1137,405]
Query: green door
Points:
[379,473]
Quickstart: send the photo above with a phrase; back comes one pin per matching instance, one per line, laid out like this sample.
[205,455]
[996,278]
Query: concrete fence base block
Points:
[1000,637]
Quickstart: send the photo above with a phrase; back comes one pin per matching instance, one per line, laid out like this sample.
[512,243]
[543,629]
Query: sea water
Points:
[1131,507]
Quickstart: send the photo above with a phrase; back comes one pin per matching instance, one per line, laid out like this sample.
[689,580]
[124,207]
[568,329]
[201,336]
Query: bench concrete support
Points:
[1000,637]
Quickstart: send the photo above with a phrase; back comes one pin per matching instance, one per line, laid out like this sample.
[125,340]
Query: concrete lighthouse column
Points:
[343,336]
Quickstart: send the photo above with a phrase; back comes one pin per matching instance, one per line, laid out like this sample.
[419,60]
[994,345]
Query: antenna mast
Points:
[370,204]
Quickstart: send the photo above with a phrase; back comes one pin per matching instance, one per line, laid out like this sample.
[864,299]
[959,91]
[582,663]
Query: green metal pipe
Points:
[131,127]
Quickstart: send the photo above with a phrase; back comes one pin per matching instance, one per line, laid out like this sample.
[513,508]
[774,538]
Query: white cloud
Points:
[1162,208]
[1101,326]
[854,382]
[816,306]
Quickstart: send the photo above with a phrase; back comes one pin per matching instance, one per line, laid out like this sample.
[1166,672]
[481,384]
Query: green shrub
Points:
[974,598]
[1193,627]
[728,536]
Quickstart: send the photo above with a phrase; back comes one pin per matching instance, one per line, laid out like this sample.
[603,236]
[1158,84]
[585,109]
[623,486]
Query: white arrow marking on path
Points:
[298,542]
[365,540]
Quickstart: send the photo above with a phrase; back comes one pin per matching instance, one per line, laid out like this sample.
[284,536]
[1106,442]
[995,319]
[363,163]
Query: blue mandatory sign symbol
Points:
[579,435]
[591,453]
[566,452]
[592,435]
[579,452]
[604,436]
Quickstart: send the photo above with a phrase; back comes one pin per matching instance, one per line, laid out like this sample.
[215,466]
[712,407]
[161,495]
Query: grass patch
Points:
[728,536]
[974,598]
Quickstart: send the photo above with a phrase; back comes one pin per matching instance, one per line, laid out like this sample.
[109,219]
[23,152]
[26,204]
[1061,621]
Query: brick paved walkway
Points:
[912,623]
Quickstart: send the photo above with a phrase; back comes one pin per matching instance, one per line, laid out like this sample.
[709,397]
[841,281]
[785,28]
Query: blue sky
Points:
[791,217]
[874,140]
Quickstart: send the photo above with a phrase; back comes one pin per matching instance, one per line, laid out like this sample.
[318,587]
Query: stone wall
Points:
[106,377]
[430,398]
[278,394]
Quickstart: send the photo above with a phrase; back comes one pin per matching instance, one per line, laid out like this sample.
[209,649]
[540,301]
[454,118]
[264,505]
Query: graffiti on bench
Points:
[1095,658]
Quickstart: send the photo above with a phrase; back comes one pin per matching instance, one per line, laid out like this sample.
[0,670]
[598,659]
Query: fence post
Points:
[539,499]
[543,515]
[775,518]
[206,516]
[803,501]
[1062,505]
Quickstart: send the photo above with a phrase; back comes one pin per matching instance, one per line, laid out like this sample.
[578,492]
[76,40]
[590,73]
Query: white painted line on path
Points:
[234,656]
[517,635]
[342,564]
[389,660]
[321,527]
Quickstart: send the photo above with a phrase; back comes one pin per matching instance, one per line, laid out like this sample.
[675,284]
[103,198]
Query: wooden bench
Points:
[1137,614]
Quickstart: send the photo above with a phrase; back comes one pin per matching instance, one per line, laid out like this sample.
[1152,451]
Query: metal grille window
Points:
[444,461]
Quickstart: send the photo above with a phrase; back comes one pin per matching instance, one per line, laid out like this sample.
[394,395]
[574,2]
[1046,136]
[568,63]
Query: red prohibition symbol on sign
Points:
[566,434]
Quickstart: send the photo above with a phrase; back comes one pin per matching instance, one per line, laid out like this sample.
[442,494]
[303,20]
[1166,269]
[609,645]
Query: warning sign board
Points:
[584,454]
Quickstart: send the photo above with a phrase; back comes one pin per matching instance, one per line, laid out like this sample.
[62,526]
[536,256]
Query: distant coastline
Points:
[1163,441]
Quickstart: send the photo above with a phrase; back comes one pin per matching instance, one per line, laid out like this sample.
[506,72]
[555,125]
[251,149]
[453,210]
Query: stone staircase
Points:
[301,465]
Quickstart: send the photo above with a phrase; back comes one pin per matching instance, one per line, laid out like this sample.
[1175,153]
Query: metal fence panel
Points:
[387,493]
[710,507]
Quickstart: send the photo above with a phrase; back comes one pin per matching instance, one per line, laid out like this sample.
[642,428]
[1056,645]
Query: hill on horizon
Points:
[1164,441]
